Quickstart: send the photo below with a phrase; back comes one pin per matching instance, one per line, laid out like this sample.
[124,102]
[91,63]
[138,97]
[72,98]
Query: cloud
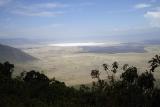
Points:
[45,9]
[39,13]
[153,17]
[4,2]
[142,5]
[50,5]
[43,6]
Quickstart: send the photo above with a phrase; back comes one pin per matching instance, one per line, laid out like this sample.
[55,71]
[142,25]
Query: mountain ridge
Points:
[8,53]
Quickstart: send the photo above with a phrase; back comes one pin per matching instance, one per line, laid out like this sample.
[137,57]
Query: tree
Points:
[6,69]
[84,88]
[130,75]
[95,74]
[115,67]
[125,67]
[154,63]
[111,72]
[34,76]
[146,80]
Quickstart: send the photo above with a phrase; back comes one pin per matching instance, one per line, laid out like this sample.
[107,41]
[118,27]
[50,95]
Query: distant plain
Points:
[73,64]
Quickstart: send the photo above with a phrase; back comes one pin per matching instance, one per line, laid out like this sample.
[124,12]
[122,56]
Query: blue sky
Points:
[80,19]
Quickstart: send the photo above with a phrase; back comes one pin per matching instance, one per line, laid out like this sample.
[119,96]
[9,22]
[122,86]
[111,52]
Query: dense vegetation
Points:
[34,89]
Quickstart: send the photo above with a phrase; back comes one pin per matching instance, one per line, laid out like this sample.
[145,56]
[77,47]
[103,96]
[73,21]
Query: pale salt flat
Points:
[84,44]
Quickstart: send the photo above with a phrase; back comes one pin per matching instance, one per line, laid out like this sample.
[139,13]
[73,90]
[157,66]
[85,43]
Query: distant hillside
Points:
[152,42]
[11,54]
[17,41]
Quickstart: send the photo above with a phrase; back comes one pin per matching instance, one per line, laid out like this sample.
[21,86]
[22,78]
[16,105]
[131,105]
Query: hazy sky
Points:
[80,19]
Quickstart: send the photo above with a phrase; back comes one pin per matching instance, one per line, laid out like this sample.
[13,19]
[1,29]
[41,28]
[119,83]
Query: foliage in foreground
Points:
[34,89]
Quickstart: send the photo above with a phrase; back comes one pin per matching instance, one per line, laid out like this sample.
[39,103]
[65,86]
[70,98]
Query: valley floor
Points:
[70,65]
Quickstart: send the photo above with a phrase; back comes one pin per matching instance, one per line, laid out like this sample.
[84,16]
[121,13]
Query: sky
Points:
[83,20]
